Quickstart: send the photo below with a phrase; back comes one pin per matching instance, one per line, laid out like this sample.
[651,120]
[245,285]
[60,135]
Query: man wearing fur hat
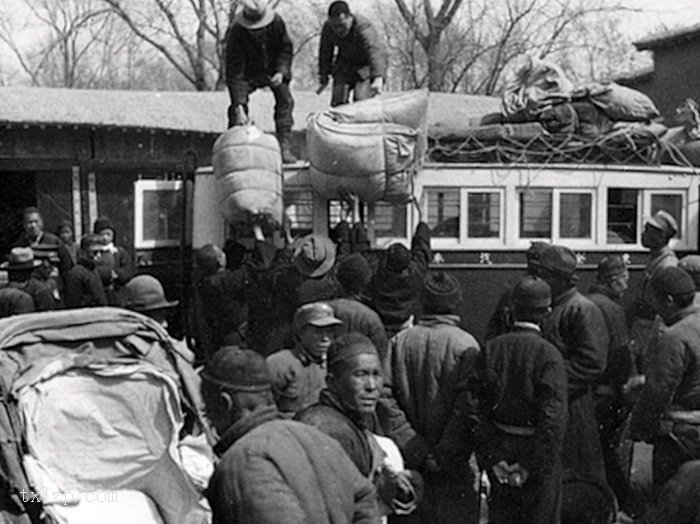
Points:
[274,471]
[668,412]
[424,364]
[259,54]
[576,326]
[519,399]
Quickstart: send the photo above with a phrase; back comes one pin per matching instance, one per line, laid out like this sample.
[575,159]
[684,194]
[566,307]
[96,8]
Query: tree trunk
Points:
[435,68]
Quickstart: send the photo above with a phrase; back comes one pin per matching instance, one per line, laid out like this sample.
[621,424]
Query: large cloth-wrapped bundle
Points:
[619,102]
[373,161]
[408,109]
[248,168]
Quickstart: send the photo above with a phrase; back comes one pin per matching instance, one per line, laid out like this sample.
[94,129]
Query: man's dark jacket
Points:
[283,472]
[396,296]
[252,55]
[360,52]
[84,287]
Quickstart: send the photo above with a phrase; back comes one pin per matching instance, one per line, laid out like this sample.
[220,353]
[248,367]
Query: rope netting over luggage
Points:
[632,144]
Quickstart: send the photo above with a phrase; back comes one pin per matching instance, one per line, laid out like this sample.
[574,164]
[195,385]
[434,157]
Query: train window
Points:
[484,215]
[158,207]
[536,213]
[389,220]
[575,214]
[443,212]
[299,208]
[623,206]
[671,203]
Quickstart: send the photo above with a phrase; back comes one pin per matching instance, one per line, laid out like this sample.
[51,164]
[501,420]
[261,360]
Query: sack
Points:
[620,102]
[360,159]
[409,109]
[248,168]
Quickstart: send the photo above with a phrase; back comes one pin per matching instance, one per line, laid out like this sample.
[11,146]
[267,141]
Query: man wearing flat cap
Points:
[577,328]
[424,364]
[274,471]
[299,374]
[659,229]
[611,408]
[518,399]
[668,412]
[346,411]
[259,54]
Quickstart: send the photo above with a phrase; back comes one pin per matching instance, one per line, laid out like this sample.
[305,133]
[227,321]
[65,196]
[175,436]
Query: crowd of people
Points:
[47,271]
[323,338]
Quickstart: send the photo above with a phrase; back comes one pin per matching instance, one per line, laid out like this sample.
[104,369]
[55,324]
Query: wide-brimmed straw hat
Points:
[21,259]
[255,14]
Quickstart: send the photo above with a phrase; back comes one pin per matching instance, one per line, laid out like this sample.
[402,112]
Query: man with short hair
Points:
[424,364]
[299,374]
[34,233]
[659,229]
[394,290]
[83,285]
[350,51]
[520,399]
[274,471]
[259,54]
[668,411]
[691,265]
[611,407]
[577,328]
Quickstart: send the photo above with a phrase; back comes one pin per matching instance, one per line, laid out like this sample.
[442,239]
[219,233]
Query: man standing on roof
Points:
[352,53]
[659,229]
[259,54]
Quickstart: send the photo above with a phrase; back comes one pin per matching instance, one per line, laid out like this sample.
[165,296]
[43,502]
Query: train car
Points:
[483,217]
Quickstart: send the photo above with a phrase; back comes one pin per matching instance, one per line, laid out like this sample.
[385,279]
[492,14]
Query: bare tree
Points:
[469,46]
[70,30]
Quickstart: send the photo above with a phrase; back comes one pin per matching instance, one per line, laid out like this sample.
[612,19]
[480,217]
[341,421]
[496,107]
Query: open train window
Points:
[299,209]
[444,212]
[483,214]
[536,213]
[623,216]
[673,203]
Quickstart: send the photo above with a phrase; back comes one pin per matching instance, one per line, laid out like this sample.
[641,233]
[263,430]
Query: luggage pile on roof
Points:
[544,118]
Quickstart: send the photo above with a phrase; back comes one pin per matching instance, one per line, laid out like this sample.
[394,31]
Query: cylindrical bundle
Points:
[408,109]
[358,159]
[248,168]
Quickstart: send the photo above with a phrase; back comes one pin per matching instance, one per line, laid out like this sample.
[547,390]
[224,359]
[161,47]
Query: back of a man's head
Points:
[338,8]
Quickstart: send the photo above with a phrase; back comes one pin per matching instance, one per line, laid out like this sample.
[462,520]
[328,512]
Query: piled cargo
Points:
[546,119]
[248,167]
[371,149]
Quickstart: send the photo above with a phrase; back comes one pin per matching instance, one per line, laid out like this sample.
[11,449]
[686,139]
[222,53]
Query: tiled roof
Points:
[189,111]
[668,38]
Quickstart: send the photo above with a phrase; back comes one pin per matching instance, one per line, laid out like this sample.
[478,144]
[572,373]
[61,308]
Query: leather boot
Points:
[286,150]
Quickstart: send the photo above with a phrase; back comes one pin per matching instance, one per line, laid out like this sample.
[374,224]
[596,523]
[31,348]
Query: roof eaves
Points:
[668,38]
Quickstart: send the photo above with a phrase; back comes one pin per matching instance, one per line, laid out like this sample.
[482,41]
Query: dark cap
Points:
[314,256]
[397,257]
[238,370]
[535,251]
[209,258]
[441,291]
[347,346]
[101,224]
[353,272]
[560,260]
[691,265]
[532,292]
[611,266]
[672,281]
[663,221]
[317,314]
[146,293]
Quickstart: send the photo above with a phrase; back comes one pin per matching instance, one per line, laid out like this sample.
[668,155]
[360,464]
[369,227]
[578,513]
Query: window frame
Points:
[140,187]
[680,240]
